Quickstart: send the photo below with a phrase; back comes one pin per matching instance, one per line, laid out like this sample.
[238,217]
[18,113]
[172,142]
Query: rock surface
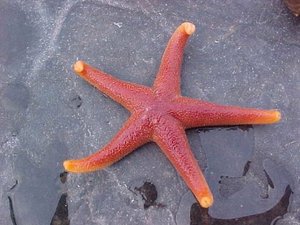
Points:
[243,53]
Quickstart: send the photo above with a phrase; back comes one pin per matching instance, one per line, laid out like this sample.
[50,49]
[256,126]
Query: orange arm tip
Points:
[206,201]
[274,116]
[264,117]
[277,116]
[187,28]
[79,66]
[83,165]
[68,165]
[204,196]
[72,166]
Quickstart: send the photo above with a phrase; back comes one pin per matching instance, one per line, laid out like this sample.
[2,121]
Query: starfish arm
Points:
[134,133]
[168,77]
[127,94]
[196,113]
[171,138]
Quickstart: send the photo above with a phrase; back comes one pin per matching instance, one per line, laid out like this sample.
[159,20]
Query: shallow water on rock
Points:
[244,194]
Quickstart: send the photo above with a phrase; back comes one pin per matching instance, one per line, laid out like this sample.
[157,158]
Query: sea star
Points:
[161,114]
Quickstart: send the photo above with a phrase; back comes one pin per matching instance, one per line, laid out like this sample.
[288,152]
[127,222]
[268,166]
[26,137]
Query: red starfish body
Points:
[160,114]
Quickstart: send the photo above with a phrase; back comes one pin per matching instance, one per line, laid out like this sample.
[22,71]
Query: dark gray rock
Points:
[244,53]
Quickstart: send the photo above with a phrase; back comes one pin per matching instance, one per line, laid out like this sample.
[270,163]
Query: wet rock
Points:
[244,53]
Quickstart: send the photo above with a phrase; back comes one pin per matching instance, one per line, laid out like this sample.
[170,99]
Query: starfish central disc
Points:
[161,114]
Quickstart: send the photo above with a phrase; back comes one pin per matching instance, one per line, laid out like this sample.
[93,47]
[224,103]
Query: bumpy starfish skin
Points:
[160,114]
